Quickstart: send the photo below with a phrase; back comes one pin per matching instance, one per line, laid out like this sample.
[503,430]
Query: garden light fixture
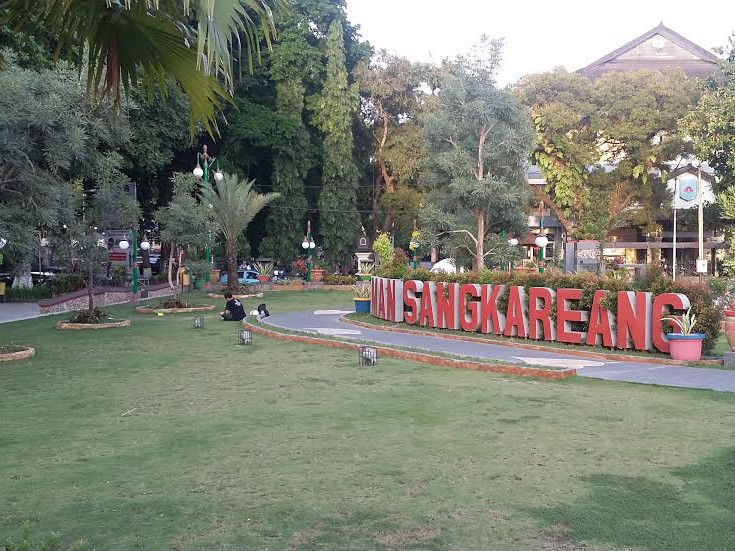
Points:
[145,244]
[123,245]
[368,356]
[198,172]
[198,322]
[512,242]
[541,241]
[244,337]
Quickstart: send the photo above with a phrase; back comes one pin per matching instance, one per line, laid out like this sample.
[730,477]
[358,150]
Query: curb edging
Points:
[506,369]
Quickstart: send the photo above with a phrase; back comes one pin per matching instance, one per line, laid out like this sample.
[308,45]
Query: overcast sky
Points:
[539,35]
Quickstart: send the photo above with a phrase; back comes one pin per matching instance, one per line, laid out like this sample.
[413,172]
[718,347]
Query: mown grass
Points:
[160,436]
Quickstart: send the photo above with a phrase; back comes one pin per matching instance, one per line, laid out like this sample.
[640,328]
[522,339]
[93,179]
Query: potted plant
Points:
[366,270]
[317,271]
[198,269]
[730,326]
[362,297]
[685,345]
[265,271]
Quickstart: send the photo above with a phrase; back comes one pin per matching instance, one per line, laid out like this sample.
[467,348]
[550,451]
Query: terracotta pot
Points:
[686,347]
[264,279]
[214,275]
[317,275]
[730,328]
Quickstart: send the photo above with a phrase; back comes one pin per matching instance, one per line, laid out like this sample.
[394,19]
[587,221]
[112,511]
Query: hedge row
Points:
[709,315]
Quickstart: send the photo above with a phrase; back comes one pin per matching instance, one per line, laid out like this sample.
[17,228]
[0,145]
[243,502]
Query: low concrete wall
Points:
[103,296]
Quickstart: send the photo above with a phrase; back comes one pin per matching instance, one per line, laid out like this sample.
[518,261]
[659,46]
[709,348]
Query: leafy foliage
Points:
[138,41]
[334,110]
[479,138]
[234,204]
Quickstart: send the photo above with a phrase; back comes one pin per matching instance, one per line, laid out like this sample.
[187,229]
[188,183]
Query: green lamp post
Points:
[308,245]
[513,242]
[204,163]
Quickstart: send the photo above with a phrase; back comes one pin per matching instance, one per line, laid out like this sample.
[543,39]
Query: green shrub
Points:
[37,292]
[66,283]
[703,301]
[95,315]
[332,279]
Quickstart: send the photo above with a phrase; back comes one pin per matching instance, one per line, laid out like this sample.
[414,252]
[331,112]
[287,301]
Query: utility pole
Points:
[700,214]
[673,256]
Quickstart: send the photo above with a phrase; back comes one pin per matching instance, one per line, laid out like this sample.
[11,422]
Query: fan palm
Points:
[154,40]
[234,205]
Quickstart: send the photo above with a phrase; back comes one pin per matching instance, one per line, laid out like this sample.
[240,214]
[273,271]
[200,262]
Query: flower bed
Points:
[12,352]
[91,326]
[188,309]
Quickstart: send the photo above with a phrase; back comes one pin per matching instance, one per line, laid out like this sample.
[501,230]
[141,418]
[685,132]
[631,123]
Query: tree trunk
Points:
[171,269]
[90,288]
[231,254]
[480,245]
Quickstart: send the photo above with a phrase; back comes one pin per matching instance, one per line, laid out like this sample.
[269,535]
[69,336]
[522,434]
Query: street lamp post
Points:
[308,244]
[204,163]
[513,242]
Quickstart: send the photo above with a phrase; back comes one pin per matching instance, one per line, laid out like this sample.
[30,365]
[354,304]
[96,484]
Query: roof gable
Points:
[659,47]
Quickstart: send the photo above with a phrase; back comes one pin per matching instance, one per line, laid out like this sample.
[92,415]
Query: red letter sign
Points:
[491,321]
[469,306]
[601,323]
[428,302]
[539,317]
[634,323]
[411,315]
[565,316]
[447,306]
[516,322]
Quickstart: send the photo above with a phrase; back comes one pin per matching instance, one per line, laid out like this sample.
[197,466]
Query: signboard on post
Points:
[688,189]
[115,255]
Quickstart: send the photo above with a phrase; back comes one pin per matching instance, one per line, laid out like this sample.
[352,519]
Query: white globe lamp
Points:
[312,244]
[145,245]
[513,242]
[541,241]
[3,242]
[305,244]
[198,172]
[218,176]
[123,245]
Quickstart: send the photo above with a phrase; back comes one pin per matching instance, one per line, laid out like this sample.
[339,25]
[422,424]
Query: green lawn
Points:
[283,446]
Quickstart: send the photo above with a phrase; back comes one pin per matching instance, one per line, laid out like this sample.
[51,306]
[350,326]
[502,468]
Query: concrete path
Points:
[16,311]
[327,323]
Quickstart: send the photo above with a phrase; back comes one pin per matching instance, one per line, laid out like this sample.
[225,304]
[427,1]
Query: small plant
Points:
[27,543]
[264,268]
[198,269]
[383,248]
[685,323]
[332,279]
[367,268]
[362,290]
[95,315]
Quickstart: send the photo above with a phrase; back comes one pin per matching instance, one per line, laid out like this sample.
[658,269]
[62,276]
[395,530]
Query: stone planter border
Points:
[27,352]
[149,310]
[91,326]
[508,369]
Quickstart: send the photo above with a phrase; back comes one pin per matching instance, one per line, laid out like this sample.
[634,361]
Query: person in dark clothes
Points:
[233,309]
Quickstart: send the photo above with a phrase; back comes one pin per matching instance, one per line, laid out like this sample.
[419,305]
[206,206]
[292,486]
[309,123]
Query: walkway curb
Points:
[526,346]
[507,369]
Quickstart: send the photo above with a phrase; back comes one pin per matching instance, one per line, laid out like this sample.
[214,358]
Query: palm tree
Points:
[234,205]
[146,43]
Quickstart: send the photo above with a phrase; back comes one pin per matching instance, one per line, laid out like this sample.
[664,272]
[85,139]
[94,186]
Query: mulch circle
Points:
[149,310]
[25,352]
[222,296]
[91,326]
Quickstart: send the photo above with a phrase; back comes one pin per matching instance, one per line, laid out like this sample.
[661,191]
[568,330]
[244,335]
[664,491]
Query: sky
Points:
[539,35]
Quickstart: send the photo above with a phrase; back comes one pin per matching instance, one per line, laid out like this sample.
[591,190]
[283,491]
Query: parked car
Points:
[244,277]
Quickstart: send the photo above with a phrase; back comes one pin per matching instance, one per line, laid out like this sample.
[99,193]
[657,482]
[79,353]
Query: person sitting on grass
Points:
[233,309]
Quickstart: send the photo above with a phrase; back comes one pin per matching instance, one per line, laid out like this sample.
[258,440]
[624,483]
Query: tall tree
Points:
[49,138]
[294,62]
[334,110]
[614,135]
[234,205]
[479,138]
[188,42]
[394,94]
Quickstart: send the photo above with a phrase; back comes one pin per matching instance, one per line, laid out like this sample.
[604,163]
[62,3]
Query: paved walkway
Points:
[326,322]
[16,311]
